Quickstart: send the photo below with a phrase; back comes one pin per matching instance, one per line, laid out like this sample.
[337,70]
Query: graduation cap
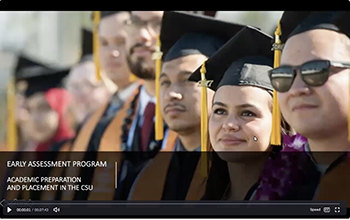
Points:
[16,82]
[318,20]
[24,62]
[243,61]
[184,34]
[289,21]
[38,77]
[341,22]
[31,77]
[43,79]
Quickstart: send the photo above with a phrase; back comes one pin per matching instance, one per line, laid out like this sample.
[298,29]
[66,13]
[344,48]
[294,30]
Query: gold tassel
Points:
[97,17]
[204,120]
[159,119]
[276,114]
[132,78]
[11,120]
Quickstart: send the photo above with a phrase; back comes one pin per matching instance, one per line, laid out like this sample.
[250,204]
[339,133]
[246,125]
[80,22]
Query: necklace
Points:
[128,120]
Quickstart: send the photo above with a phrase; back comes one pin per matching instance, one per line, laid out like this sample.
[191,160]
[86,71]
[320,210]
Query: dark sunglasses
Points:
[313,73]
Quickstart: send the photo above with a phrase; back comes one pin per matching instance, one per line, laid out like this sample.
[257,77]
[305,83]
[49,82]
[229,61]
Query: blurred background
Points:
[55,37]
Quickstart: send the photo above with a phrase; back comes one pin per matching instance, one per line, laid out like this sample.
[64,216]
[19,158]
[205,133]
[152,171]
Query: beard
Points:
[140,67]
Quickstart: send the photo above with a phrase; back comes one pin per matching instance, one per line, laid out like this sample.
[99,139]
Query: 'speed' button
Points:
[315,209]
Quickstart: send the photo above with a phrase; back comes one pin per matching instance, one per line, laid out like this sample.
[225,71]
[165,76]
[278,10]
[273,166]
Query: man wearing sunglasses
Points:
[313,90]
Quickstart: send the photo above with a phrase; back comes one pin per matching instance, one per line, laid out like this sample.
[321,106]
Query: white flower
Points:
[298,143]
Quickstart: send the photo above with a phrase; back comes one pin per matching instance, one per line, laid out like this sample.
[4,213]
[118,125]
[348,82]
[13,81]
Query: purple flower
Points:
[281,174]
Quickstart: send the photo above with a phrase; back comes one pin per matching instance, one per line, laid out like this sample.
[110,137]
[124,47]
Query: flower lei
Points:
[285,171]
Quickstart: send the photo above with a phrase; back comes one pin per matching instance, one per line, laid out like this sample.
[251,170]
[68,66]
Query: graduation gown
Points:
[130,160]
[60,154]
[170,176]
[333,185]
[98,121]
[100,178]
[107,138]
[89,139]
[248,197]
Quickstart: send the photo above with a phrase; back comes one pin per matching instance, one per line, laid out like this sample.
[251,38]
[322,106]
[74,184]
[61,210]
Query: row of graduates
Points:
[240,78]
[40,90]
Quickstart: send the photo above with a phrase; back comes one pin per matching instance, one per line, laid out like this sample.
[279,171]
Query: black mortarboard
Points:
[24,62]
[42,81]
[244,60]
[327,20]
[342,22]
[38,76]
[184,34]
[290,20]
[87,42]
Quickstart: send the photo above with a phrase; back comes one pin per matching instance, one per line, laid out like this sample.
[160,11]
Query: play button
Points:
[9,209]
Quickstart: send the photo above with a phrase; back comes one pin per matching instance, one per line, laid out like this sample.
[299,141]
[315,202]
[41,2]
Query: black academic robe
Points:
[88,141]
[58,152]
[170,176]
[94,124]
[131,162]
[180,174]
[107,138]
[91,154]
[320,187]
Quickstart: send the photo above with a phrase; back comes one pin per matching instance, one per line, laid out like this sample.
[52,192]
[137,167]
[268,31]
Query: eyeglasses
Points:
[313,73]
[135,24]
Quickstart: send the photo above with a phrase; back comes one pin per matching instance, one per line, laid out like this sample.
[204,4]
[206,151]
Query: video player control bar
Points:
[175,209]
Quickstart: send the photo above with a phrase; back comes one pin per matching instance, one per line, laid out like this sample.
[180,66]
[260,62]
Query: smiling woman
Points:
[250,114]
[240,123]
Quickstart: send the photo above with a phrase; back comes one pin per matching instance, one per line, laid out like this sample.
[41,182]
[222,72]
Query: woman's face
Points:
[43,122]
[241,121]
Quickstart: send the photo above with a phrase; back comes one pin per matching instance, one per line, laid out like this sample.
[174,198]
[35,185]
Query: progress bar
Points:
[176,209]
[181,204]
